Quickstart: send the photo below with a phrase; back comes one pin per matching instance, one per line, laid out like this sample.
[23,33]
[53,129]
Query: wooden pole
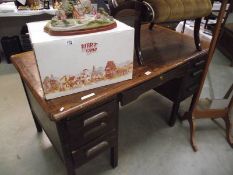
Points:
[190,115]
[210,53]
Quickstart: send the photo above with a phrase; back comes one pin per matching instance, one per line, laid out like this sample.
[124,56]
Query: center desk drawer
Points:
[133,93]
[93,123]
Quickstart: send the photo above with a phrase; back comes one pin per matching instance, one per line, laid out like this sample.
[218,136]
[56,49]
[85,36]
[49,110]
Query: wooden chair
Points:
[162,11]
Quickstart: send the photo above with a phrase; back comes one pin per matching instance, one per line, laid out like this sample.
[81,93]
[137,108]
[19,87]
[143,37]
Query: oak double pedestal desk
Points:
[81,129]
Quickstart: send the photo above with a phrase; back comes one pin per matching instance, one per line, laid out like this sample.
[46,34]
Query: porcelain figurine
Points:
[79,17]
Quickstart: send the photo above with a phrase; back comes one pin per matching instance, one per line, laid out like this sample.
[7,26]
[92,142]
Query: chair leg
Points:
[137,42]
[196,33]
[151,25]
[192,126]
[206,23]
[228,130]
[183,28]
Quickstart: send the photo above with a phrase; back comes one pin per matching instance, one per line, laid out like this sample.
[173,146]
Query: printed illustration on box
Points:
[82,62]
[79,17]
[85,78]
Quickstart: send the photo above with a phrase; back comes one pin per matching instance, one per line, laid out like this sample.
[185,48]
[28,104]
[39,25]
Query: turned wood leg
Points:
[137,42]
[174,113]
[192,126]
[197,26]
[228,130]
[183,28]
[137,34]
[38,126]
[114,156]
[151,25]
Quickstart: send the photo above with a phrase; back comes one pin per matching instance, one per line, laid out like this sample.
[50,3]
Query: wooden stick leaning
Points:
[191,115]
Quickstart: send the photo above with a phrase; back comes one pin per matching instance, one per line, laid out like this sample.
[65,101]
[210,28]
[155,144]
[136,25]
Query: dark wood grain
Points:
[163,50]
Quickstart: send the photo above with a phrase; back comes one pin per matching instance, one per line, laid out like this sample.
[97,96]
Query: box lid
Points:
[38,35]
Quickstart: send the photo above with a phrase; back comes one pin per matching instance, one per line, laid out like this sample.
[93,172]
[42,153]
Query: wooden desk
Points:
[81,129]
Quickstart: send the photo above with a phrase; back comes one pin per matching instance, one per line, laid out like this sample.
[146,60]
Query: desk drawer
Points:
[94,148]
[133,93]
[193,76]
[195,72]
[93,124]
[199,63]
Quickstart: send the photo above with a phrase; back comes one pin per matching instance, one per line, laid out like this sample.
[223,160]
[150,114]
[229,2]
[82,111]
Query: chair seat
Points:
[176,10]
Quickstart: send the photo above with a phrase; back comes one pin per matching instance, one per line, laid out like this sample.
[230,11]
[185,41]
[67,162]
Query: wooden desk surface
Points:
[163,50]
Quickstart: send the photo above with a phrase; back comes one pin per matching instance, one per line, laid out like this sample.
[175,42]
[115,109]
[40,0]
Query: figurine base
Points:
[81,31]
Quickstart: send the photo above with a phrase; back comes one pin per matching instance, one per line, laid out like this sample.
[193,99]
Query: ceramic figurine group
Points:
[79,17]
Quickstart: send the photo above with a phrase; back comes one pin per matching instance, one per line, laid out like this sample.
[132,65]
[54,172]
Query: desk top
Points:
[163,50]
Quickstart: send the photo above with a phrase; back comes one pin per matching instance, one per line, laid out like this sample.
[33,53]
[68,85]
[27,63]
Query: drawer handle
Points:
[94,150]
[197,72]
[95,129]
[200,63]
[95,118]
[161,77]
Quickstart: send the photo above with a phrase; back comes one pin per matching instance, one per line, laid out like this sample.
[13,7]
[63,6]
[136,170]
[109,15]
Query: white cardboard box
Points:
[71,64]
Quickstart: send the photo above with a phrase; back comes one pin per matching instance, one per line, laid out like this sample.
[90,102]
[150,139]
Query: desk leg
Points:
[38,126]
[174,113]
[67,152]
[114,156]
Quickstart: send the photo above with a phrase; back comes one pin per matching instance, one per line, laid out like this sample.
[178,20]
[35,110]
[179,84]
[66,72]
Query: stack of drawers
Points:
[180,88]
[92,132]
[192,79]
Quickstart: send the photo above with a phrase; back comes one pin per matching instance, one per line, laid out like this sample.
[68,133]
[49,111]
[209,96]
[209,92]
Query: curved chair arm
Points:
[142,9]
[128,4]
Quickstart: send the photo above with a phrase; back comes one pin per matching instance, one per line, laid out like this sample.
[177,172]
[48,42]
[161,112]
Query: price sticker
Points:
[87,96]
[147,72]
[69,43]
